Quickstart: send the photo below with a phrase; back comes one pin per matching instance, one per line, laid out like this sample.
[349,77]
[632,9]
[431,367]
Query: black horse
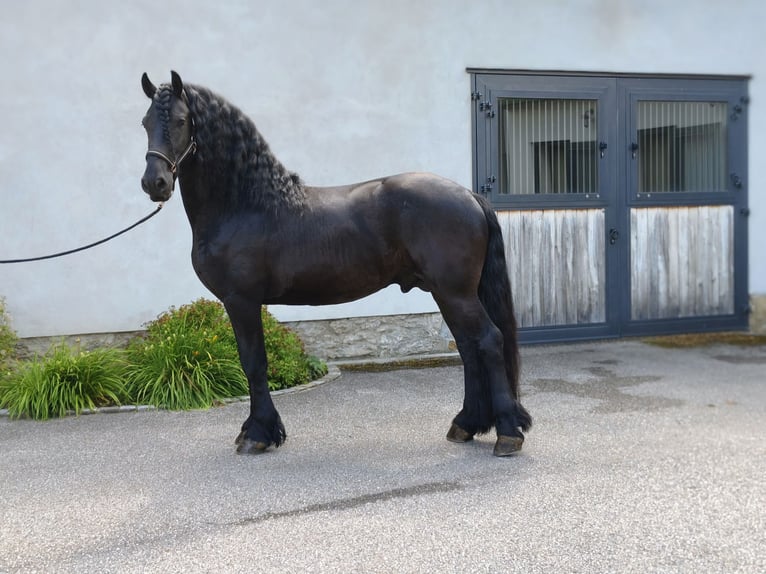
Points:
[261,236]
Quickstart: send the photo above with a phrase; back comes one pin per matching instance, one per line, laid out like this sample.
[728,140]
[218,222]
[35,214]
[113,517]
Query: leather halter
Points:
[191,149]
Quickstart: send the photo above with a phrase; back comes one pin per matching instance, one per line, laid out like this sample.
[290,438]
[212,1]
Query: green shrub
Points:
[317,367]
[288,363]
[63,380]
[8,341]
[188,359]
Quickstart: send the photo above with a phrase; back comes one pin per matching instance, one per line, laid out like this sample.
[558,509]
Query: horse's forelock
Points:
[162,105]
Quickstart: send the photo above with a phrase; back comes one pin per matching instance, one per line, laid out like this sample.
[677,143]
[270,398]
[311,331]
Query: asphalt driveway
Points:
[641,460]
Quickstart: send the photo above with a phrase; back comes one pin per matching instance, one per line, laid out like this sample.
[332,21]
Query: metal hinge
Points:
[739,108]
[745,211]
[487,187]
[487,107]
[475,96]
[747,309]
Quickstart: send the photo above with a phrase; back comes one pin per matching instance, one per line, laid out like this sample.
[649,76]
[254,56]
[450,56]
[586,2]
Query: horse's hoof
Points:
[240,438]
[456,434]
[247,446]
[508,445]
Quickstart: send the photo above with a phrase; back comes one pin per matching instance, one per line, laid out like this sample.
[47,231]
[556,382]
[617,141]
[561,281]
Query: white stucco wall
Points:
[343,91]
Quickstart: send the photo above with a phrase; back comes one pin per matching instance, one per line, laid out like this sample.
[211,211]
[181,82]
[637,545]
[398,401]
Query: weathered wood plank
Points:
[556,262]
[673,304]
[682,262]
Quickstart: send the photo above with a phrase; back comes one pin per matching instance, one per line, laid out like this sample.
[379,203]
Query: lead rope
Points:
[84,247]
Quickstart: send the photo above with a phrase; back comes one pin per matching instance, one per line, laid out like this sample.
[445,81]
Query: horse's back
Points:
[428,191]
[402,206]
[415,201]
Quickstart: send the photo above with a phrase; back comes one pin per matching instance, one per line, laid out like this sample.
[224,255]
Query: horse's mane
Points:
[239,167]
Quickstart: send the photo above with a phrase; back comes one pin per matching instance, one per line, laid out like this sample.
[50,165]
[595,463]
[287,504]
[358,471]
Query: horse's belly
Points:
[324,295]
[331,285]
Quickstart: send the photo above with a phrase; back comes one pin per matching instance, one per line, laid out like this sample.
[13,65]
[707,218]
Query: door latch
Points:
[614,235]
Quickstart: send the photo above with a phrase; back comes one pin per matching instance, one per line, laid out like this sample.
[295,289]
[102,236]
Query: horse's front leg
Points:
[263,428]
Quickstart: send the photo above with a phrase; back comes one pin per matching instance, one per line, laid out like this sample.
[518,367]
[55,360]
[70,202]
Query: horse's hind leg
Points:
[476,415]
[481,347]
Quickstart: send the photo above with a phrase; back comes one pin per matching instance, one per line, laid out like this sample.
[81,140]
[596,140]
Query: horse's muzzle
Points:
[159,187]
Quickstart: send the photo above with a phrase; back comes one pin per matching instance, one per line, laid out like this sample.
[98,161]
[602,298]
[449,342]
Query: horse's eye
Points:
[181,122]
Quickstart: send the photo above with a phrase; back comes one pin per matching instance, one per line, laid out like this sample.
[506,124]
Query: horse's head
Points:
[170,128]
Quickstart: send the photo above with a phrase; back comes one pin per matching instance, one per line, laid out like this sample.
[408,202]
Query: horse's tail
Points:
[495,296]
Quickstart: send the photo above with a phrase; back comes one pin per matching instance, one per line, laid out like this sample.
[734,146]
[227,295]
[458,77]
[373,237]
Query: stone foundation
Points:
[758,314]
[335,339]
[375,337]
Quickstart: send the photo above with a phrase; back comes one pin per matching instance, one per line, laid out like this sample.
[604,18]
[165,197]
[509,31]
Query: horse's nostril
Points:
[160,183]
[144,185]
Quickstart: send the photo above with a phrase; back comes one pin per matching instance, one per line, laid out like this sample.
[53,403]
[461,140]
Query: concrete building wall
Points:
[343,91]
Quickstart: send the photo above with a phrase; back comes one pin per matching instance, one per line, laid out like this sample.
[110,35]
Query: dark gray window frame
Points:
[488,88]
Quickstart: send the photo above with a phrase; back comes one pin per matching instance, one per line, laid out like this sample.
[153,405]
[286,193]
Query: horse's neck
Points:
[195,196]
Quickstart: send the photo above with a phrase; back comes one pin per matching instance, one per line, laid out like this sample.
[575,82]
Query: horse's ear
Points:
[149,88]
[178,85]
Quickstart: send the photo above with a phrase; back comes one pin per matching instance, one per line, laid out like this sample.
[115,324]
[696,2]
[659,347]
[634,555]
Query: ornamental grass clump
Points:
[187,360]
[64,380]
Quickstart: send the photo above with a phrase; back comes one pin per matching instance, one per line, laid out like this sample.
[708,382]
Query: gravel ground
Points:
[641,460]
